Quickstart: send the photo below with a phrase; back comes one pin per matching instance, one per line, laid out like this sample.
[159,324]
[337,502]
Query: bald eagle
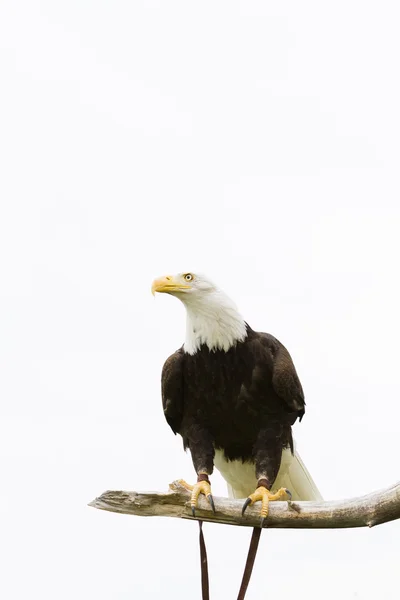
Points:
[233,395]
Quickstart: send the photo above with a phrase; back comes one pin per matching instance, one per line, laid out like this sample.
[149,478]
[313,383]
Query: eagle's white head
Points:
[212,317]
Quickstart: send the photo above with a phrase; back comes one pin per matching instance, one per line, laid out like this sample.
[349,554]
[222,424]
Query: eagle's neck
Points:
[213,321]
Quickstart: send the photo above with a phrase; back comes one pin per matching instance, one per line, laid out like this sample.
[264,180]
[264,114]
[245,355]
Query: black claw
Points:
[245,505]
[193,511]
[289,493]
[262,520]
[211,501]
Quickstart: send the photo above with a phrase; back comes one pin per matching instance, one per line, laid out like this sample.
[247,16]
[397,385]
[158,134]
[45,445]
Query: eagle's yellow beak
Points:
[169,283]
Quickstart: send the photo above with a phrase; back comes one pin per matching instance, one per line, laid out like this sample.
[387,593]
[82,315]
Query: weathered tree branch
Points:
[364,511]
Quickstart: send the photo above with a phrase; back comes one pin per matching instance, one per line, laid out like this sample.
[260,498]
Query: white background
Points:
[257,142]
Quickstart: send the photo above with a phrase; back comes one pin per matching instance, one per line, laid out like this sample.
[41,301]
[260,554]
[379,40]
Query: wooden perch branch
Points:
[364,511]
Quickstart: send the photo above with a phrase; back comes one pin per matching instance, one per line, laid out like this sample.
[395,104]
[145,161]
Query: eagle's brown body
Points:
[243,402]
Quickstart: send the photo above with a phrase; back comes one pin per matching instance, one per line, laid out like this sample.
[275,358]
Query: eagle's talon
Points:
[211,501]
[266,497]
[201,487]
[245,505]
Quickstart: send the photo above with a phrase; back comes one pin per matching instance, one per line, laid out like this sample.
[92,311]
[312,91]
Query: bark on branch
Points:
[364,511]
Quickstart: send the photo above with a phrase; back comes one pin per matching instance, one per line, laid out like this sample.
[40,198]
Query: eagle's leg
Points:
[262,493]
[201,487]
[202,450]
[268,456]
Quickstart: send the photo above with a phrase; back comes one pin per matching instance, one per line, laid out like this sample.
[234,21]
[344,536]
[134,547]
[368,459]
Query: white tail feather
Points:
[293,475]
[298,480]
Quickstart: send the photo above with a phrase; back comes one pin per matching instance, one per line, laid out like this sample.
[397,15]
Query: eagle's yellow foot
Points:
[266,497]
[201,487]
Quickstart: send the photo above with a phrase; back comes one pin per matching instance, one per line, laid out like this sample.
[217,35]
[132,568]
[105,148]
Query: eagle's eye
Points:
[188,277]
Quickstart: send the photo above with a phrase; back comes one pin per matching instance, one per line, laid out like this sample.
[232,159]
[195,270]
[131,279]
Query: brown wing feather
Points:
[172,390]
[285,380]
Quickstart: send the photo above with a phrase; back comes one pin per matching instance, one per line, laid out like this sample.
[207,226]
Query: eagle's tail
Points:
[292,475]
[297,479]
